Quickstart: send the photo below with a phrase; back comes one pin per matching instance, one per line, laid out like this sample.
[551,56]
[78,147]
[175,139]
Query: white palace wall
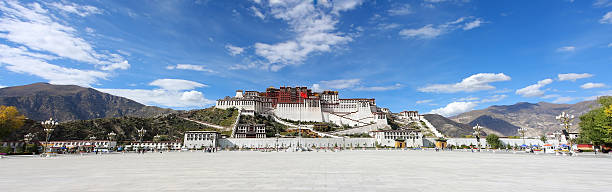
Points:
[297,112]
[472,141]
[293,142]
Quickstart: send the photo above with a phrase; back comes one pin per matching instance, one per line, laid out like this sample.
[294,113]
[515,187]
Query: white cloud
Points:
[424,101]
[566,49]
[257,13]
[473,83]
[404,9]
[162,97]
[176,84]
[602,3]
[432,31]
[339,84]
[473,24]
[534,90]
[607,18]
[609,44]
[468,99]
[190,67]
[494,98]
[601,93]
[81,10]
[425,32]
[314,28]
[234,50]
[563,99]
[550,96]
[454,108]
[573,76]
[387,26]
[22,60]
[353,84]
[171,93]
[379,88]
[2,86]
[35,27]
[592,85]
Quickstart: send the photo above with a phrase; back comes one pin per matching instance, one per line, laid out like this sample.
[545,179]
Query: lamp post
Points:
[48,126]
[477,129]
[111,136]
[91,141]
[566,121]
[141,133]
[522,131]
[26,139]
[412,135]
[558,137]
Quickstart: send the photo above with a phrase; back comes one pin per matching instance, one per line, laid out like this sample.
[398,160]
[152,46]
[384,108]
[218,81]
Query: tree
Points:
[596,125]
[494,141]
[10,120]
[543,138]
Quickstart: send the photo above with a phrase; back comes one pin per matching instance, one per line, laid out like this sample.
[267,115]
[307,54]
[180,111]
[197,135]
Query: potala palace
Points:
[302,104]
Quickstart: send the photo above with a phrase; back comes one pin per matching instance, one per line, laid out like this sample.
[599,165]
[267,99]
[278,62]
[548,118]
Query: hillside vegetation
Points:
[171,126]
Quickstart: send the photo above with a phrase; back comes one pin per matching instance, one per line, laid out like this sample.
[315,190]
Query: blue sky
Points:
[438,56]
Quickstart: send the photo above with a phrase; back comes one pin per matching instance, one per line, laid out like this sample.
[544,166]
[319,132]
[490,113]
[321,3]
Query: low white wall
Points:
[430,142]
[292,142]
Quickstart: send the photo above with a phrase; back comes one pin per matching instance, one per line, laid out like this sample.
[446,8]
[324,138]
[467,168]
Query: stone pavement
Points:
[307,171]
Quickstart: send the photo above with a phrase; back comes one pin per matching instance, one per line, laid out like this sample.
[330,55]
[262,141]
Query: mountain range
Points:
[40,101]
[505,120]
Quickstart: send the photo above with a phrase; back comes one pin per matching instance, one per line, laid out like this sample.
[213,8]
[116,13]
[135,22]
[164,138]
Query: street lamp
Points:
[48,126]
[558,137]
[566,121]
[27,138]
[156,140]
[413,135]
[93,146]
[111,136]
[141,133]
[522,131]
[477,129]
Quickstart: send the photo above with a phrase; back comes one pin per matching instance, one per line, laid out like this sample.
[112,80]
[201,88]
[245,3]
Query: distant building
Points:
[410,115]
[159,145]
[82,144]
[405,137]
[302,104]
[250,131]
[199,139]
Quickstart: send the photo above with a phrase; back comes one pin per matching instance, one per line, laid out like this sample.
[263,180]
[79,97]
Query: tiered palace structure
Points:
[302,104]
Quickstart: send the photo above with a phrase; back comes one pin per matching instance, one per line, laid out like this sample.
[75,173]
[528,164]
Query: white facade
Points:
[413,138]
[325,107]
[162,145]
[83,143]
[409,115]
[199,139]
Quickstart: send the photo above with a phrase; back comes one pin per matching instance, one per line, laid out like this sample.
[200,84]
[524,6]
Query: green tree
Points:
[543,138]
[10,120]
[494,141]
[596,125]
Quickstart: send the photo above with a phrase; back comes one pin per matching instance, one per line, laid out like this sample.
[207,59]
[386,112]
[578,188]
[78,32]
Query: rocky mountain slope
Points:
[41,101]
[538,118]
[451,128]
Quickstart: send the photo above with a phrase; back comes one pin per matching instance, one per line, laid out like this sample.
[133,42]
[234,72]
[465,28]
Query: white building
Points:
[389,138]
[301,104]
[82,143]
[410,115]
[159,145]
[199,139]
[250,131]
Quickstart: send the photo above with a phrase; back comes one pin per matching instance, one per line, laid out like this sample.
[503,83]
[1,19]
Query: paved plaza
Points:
[308,171]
